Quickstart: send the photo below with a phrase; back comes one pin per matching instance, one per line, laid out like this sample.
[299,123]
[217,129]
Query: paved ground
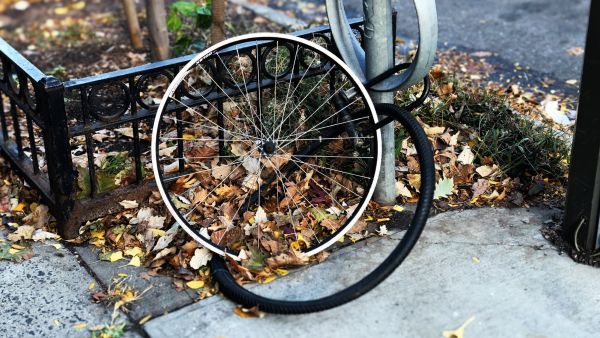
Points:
[534,33]
[48,296]
[490,264]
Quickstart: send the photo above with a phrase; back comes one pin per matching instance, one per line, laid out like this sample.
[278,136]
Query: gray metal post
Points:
[379,48]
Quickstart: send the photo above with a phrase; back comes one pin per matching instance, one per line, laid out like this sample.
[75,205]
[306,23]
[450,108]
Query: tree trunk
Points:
[157,27]
[133,24]
[218,21]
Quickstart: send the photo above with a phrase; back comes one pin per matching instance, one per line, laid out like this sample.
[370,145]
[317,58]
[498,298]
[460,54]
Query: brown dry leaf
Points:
[402,190]
[248,313]
[286,259]
[22,233]
[432,131]
[358,227]
[414,180]
[39,217]
[202,152]
[479,187]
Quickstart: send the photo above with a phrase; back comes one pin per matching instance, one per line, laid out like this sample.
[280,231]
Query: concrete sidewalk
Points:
[490,264]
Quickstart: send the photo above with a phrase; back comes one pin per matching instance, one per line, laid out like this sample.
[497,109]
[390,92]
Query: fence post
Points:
[379,49]
[58,151]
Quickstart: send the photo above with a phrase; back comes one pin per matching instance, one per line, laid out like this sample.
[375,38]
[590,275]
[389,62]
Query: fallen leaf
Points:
[129,204]
[479,187]
[402,190]
[248,313]
[200,258]
[466,156]
[135,261]
[458,333]
[485,170]
[195,284]
[575,51]
[145,319]
[41,235]
[443,188]
[22,232]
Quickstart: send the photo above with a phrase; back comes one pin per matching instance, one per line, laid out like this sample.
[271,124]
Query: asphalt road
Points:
[534,33]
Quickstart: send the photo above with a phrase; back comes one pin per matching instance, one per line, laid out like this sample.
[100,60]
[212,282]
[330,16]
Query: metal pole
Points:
[581,221]
[379,48]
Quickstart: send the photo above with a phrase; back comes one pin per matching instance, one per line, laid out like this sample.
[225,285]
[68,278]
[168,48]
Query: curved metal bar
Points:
[353,54]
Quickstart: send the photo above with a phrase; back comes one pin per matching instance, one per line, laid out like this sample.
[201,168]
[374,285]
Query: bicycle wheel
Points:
[264,144]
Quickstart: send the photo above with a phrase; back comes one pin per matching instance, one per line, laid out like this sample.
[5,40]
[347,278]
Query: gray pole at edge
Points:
[379,48]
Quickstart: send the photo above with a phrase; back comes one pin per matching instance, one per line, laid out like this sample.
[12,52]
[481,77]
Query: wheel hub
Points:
[268,147]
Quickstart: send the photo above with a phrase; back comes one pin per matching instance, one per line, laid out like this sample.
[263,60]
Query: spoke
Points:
[171,178]
[215,188]
[246,95]
[287,95]
[202,139]
[339,171]
[210,102]
[259,91]
[304,99]
[326,156]
[319,108]
[224,92]
[327,138]
[320,123]
[319,185]
[207,119]
[209,127]
[325,175]
[325,127]
[280,174]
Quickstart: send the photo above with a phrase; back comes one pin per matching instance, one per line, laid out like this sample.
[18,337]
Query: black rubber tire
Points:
[230,288]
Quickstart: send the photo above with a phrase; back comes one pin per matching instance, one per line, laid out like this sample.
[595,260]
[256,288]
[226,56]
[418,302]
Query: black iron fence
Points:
[85,143]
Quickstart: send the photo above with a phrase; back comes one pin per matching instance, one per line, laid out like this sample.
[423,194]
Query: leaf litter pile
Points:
[485,132]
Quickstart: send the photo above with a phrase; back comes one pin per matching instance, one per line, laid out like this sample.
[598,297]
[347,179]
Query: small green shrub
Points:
[185,20]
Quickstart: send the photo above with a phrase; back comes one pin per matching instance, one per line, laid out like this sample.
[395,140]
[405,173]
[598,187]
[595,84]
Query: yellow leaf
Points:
[145,319]
[19,207]
[188,136]
[12,251]
[267,280]
[80,326]
[281,272]
[135,251]
[91,286]
[368,218]
[476,259]
[379,220]
[57,246]
[398,208]
[56,322]
[120,274]
[61,10]
[458,333]
[115,256]
[135,261]
[98,233]
[158,232]
[78,5]
[195,284]
[17,247]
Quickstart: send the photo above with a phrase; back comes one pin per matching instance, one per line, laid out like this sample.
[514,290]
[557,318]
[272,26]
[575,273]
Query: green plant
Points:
[518,144]
[185,20]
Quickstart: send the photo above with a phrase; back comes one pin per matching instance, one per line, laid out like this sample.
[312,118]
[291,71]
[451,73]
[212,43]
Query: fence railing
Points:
[85,143]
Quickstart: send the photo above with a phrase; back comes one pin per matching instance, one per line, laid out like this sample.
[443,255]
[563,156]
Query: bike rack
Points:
[353,54]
